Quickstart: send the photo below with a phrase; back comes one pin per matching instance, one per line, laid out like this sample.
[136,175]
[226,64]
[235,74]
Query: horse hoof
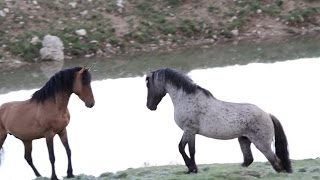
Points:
[192,171]
[245,165]
[70,176]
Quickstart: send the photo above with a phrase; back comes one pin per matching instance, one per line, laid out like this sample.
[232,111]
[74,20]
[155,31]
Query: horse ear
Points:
[82,70]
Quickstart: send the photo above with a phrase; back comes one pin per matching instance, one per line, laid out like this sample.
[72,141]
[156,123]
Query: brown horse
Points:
[46,113]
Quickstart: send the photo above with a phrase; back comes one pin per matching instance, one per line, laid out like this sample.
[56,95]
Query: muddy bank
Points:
[107,29]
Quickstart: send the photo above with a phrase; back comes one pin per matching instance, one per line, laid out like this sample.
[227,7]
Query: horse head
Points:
[82,87]
[156,89]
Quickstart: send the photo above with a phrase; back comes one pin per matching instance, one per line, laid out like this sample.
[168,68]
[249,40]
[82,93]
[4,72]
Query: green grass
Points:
[301,15]
[308,169]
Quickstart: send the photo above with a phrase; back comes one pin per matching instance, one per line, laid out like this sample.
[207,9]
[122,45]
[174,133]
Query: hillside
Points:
[128,26]
[308,169]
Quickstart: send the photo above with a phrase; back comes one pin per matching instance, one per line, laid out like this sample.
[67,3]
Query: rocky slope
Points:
[109,27]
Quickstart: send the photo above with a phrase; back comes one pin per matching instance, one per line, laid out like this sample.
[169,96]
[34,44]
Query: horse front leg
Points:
[3,137]
[190,162]
[28,157]
[49,140]
[64,139]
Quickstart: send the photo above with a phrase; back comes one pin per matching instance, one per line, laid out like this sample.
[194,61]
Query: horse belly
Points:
[25,130]
[221,131]
[20,122]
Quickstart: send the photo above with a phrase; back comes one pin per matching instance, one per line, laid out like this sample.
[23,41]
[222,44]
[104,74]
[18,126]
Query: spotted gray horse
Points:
[197,111]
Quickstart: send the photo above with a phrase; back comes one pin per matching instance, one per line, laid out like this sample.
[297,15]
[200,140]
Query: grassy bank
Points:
[143,25]
[308,169]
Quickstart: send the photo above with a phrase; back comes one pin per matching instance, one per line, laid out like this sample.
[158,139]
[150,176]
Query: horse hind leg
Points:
[266,150]
[245,144]
[28,157]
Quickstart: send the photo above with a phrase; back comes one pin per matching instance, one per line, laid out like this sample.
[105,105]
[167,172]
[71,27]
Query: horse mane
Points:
[59,82]
[181,81]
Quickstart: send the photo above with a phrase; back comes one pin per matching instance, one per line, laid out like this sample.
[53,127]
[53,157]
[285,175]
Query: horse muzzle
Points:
[152,108]
[90,104]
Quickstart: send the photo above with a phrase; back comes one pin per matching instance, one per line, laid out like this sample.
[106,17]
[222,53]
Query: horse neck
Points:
[176,95]
[61,100]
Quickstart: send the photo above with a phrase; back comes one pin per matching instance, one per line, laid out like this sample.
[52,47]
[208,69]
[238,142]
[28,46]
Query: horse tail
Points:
[281,144]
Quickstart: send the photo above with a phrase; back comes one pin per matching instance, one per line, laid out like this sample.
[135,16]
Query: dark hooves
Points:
[70,176]
[192,171]
[245,164]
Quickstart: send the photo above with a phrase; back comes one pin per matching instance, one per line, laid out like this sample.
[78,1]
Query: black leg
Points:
[186,159]
[51,156]
[192,150]
[28,157]
[187,138]
[64,139]
[246,151]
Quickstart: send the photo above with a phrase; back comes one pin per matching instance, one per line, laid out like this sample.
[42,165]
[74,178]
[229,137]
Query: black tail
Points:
[281,144]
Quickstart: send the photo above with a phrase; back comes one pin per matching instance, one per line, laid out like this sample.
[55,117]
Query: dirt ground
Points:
[142,25]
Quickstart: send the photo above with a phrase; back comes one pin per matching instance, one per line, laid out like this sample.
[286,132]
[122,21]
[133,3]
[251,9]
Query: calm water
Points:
[120,132]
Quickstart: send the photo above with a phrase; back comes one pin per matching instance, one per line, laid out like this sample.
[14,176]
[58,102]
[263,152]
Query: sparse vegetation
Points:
[143,25]
[302,15]
[308,169]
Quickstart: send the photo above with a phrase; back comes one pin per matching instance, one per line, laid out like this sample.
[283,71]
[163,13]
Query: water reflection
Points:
[131,66]
[120,132]
[49,68]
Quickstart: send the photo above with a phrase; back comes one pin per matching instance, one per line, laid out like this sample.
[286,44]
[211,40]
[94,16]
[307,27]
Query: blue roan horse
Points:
[196,111]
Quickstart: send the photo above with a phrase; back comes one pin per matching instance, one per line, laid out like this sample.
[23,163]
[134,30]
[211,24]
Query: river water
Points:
[119,132]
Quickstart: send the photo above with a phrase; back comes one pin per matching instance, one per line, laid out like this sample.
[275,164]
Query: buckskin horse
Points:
[46,113]
[197,111]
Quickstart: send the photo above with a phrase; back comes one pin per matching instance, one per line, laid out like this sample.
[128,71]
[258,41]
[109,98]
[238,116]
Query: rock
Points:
[84,13]
[120,3]
[235,32]
[81,32]
[73,4]
[35,40]
[2,13]
[233,18]
[94,42]
[52,48]
[6,10]
[108,45]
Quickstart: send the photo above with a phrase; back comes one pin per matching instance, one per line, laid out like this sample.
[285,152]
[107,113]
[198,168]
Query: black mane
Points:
[61,81]
[181,81]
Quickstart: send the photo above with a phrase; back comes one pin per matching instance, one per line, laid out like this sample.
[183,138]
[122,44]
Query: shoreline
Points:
[109,29]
